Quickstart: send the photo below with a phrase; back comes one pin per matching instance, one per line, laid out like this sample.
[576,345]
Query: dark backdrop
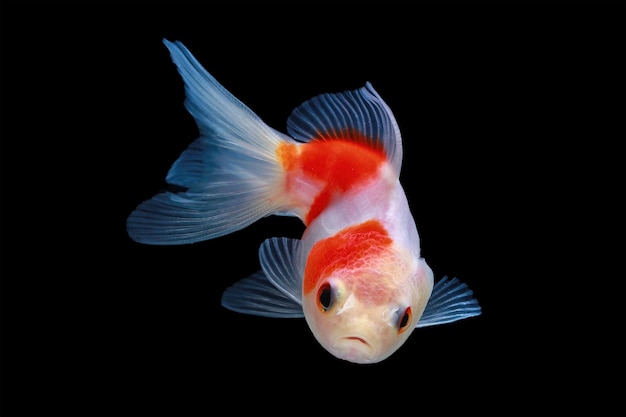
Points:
[512,115]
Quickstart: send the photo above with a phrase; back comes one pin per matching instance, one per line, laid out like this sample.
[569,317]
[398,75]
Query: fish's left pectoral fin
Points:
[257,296]
[451,300]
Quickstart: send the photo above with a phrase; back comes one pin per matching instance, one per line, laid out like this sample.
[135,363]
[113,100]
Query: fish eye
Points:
[324,297]
[404,320]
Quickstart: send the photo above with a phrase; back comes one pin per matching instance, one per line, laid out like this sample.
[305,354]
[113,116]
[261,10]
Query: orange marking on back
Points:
[338,164]
[344,250]
[287,154]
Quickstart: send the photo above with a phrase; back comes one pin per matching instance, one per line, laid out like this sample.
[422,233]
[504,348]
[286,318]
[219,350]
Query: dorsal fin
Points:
[358,115]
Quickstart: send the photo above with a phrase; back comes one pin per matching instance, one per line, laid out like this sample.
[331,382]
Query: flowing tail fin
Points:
[225,180]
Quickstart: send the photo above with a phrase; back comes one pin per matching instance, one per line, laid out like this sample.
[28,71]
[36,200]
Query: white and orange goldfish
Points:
[356,275]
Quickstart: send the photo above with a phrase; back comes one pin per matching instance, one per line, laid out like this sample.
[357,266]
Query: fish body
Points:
[360,246]
[356,275]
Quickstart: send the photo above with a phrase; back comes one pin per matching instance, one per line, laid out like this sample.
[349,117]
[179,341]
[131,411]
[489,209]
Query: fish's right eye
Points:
[324,297]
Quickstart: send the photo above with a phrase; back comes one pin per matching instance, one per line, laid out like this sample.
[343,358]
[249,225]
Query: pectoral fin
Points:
[451,300]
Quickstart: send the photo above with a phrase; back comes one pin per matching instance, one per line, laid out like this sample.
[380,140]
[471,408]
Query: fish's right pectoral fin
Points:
[257,296]
[451,300]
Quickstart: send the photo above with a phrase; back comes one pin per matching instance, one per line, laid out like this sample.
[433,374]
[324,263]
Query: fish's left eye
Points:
[404,320]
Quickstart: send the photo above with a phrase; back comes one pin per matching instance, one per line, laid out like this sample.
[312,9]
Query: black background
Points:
[512,115]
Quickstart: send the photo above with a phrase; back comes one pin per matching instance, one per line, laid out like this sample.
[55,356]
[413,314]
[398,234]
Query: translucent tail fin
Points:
[226,179]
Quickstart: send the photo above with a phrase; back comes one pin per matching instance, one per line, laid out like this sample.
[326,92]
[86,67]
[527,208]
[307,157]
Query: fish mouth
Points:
[358,339]
[354,349]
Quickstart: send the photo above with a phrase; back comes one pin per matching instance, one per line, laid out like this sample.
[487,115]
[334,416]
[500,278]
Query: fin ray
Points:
[278,257]
[450,301]
[257,296]
[229,177]
[360,115]
[179,218]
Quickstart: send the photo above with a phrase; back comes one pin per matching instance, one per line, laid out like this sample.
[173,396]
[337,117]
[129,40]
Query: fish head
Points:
[365,314]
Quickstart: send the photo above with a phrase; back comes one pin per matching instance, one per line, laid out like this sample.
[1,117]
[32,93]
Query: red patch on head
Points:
[344,250]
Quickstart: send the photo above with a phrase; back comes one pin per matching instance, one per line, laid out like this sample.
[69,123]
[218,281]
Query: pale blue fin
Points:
[225,180]
[451,300]
[257,296]
[359,115]
[279,259]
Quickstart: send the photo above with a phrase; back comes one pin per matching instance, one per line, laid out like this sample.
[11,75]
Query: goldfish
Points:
[356,275]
